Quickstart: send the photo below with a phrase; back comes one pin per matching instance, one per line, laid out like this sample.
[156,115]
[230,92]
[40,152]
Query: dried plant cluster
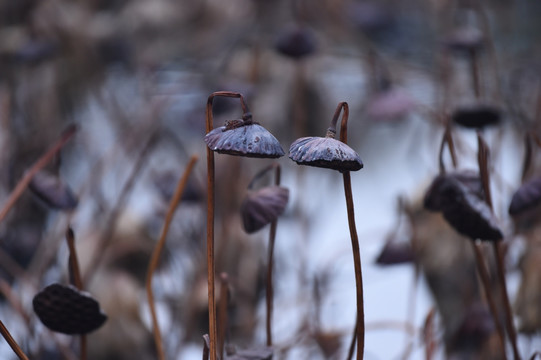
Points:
[113,232]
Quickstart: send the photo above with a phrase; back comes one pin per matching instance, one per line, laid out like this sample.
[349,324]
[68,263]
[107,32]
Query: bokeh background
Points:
[134,77]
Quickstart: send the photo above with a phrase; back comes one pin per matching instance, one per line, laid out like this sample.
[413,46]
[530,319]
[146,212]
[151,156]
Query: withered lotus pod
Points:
[526,197]
[263,206]
[325,152]
[64,309]
[244,138]
[296,42]
[477,115]
[369,16]
[463,209]
[465,39]
[53,191]
[434,197]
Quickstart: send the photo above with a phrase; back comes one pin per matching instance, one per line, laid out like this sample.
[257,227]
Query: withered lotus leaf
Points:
[463,209]
[263,206]
[296,42]
[53,191]
[249,140]
[526,197]
[477,115]
[325,152]
[259,353]
[64,309]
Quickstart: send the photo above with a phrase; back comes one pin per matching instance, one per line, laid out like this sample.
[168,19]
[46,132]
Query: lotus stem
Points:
[36,167]
[12,343]
[76,273]
[360,328]
[270,263]
[158,249]
[483,155]
[210,217]
[224,294]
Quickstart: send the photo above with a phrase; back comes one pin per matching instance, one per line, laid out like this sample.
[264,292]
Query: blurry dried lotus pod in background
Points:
[53,191]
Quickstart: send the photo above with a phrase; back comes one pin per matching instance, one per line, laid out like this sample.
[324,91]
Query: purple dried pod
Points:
[325,152]
[477,115]
[53,191]
[465,39]
[466,212]
[434,197]
[64,309]
[526,197]
[395,253]
[390,105]
[244,138]
[296,42]
[263,206]
[258,353]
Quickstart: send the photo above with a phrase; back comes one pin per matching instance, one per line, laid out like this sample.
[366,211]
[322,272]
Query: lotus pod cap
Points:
[53,191]
[463,209]
[465,39]
[477,115]
[325,152]
[242,138]
[64,309]
[526,197]
[263,206]
[296,42]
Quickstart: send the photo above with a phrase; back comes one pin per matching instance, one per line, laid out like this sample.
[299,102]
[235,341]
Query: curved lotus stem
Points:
[343,106]
[210,217]
[181,185]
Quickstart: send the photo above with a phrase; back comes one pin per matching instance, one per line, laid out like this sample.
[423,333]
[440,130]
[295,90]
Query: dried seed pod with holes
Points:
[53,191]
[526,197]
[263,206]
[462,208]
[477,115]
[296,42]
[244,138]
[64,309]
[325,152]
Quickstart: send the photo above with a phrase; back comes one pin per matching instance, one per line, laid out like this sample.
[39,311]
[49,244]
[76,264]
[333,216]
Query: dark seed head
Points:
[442,187]
[296,42]
[53,191]
[263,206]
[239,138]
[477,115]
[326,153]
[395,253]
[526,197]
[64,309]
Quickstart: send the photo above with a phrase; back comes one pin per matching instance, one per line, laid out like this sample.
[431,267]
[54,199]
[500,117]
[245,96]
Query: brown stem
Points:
[270,261]
[483,155]
[353,233]
[107,236]
[526,164]
[482,270]
[156,253]
[74,270]
[500,270]
[353,341]
[36,167]
[12,343]
[224,294]
[210,217]
[428,335]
